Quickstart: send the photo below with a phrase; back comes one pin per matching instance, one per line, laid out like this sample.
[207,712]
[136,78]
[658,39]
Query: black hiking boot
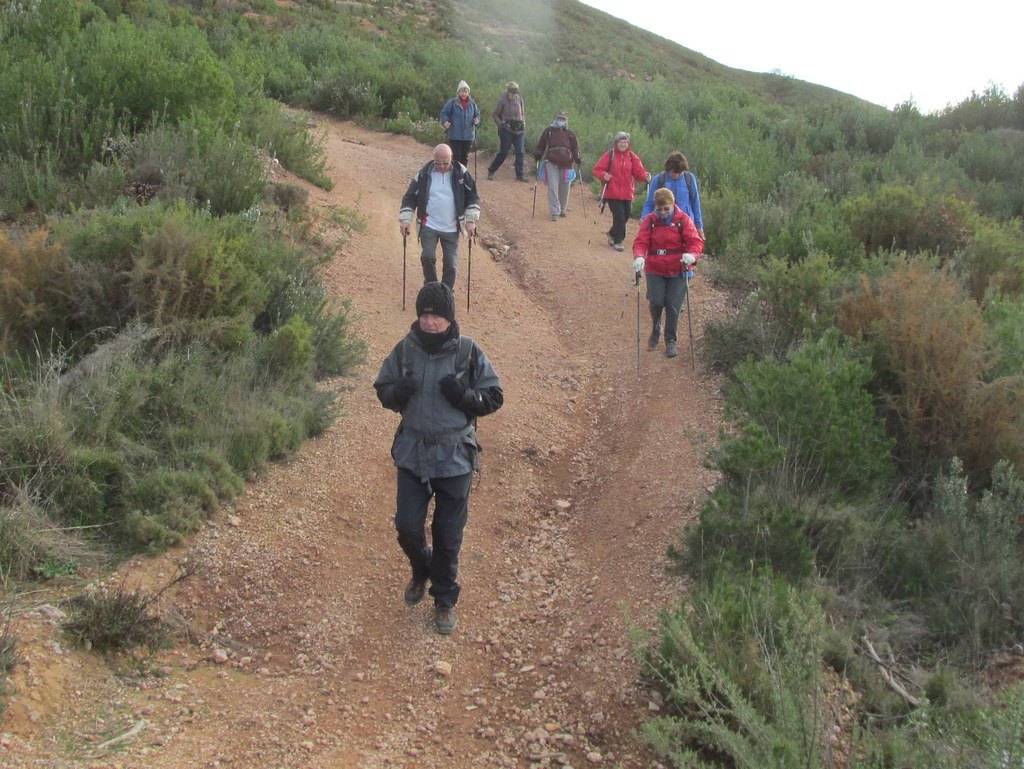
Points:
[415,591]
[670,350]
[444,619]
[652,340]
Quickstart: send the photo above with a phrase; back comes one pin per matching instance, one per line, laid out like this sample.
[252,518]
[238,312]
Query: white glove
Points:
[689,259]
[638,265]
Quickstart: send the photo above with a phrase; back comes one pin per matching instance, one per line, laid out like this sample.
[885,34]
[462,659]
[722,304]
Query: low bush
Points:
[115,620]
[741,676]
[808,425]
[931,369]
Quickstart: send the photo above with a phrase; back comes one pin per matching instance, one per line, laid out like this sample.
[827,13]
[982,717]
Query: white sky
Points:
[887,52]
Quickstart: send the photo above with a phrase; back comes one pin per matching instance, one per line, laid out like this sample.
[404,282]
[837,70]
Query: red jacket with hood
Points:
[663,245]
[625,168]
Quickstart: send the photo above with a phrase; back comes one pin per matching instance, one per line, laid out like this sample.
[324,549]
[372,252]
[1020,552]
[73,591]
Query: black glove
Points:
[579,160]
[537,156]
[453,390]
[404,389]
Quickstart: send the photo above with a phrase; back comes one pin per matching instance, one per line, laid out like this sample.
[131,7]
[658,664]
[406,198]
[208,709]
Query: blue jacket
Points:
[687,198]
[435,439]
[461,128]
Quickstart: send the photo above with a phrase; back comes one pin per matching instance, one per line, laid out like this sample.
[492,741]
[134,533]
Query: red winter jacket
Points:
[625,167]
[663,245]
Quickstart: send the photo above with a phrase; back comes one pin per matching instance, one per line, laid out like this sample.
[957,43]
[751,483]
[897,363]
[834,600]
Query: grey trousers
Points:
[449,255]
[666,294]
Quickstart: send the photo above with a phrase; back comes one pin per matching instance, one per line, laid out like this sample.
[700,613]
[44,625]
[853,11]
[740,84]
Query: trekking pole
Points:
[583,199]
[625,300]
[536,181]
[404,238]
[469,276]
[476,167]
[638,323]
[689,322]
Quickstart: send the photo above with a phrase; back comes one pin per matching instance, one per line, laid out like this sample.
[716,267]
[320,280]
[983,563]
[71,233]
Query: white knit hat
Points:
[462,84]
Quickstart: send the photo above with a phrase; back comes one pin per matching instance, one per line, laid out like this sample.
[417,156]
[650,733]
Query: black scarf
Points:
[434,342]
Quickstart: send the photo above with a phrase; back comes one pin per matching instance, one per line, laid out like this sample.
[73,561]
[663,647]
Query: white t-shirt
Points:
[441,203]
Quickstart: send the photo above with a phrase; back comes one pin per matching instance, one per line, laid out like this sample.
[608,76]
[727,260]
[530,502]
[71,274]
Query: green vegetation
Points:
[115,620]
[860,557]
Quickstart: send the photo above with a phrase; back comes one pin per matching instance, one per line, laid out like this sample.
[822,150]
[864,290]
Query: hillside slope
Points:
[306,654]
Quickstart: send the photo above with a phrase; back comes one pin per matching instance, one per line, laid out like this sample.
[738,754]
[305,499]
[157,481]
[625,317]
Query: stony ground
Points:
[302,653]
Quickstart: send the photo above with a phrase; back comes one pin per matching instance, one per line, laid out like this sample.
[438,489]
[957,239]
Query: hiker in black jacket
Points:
[440,382]
[443,198]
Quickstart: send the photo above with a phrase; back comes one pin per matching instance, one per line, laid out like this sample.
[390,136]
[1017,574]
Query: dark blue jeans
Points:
[508,141]
[451,510]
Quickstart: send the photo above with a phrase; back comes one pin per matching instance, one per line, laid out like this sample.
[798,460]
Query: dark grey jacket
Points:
[435,439]
[414,201]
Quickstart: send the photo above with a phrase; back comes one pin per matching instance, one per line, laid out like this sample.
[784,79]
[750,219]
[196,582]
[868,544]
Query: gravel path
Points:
[305,655]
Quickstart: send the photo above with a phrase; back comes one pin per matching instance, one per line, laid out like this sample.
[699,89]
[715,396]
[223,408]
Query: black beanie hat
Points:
[437,299]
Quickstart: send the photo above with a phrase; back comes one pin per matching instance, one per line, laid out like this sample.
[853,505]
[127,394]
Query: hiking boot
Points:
[670,350]
[618,247]
[562,214]
[414,591]
[554,217]
[490,176]
[522,178]
[611,241]
[652,340]
[444,619]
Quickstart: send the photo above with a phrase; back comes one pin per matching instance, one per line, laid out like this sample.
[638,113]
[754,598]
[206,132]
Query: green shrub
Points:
[731,339]
[289,349]
[815,421]
[995,259]
[741,675]
[800,296]
[738,533]
[1004,334]
[115,620]
[910,218]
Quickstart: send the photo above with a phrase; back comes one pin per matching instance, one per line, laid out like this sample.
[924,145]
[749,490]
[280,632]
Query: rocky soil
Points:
[299,650]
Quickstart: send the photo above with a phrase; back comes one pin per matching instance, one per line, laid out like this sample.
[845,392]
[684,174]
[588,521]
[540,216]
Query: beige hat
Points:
[512,87]
[462,84]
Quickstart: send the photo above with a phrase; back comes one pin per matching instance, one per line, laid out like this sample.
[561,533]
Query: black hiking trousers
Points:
[451,511]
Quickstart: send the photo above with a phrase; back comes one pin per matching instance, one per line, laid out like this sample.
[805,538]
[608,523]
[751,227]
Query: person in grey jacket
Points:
[440,382]
[443,198]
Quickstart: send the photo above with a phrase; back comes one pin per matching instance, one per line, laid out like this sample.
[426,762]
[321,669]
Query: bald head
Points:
[442,153]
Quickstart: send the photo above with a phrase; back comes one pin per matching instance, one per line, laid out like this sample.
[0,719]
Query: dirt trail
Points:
[308,656]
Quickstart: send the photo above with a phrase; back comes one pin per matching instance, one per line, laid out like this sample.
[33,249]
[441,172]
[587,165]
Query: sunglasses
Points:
[664,208]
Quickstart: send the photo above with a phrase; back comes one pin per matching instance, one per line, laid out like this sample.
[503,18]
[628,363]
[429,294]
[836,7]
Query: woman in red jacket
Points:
[619,169]
[665,250]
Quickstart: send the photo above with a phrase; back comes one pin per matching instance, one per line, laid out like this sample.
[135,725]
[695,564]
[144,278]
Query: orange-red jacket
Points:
[625,168]
[663,245]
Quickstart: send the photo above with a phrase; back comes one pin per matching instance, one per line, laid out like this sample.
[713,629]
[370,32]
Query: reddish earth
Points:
[306,655]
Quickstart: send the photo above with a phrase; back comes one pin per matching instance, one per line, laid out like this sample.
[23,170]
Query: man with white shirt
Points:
[443,199]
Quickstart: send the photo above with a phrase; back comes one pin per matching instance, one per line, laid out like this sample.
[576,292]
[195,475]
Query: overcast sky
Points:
[885,51]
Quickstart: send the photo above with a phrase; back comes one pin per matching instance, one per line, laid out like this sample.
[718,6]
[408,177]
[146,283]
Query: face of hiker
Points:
[443,161]
[621,144]
[434,324]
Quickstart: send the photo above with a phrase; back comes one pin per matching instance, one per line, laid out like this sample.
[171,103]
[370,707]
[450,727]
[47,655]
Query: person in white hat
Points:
[459,117]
